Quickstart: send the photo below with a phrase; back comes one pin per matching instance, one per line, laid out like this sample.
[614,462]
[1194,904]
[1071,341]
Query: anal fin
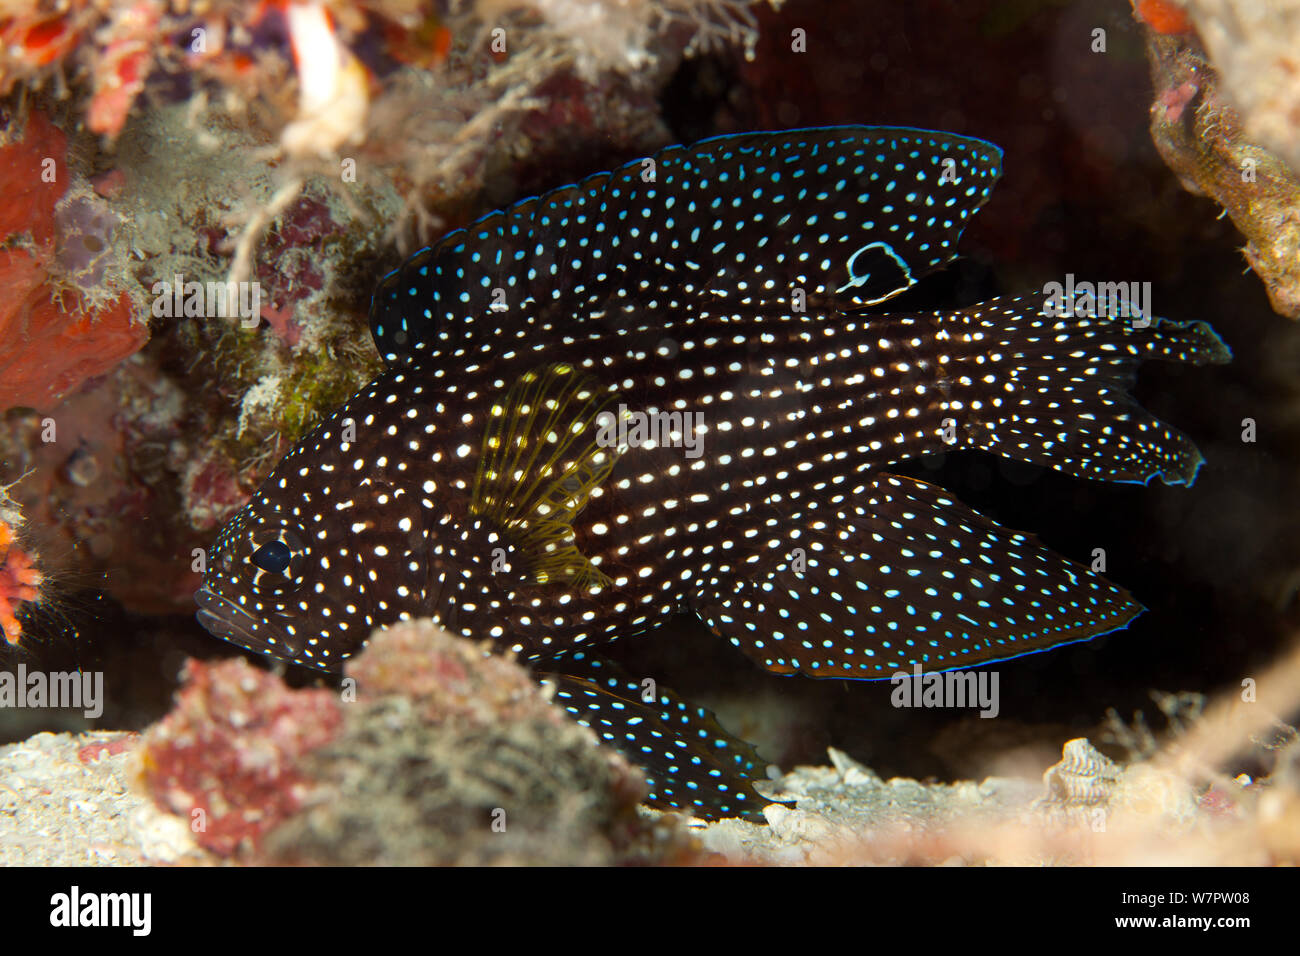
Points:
[905,574]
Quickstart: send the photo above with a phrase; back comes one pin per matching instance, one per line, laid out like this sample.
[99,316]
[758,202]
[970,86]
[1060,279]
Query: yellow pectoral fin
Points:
[550,443]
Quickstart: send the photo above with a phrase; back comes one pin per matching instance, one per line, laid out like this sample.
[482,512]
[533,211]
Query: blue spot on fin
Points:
[907,574]
[691,762]
[851,214]
[1053,390]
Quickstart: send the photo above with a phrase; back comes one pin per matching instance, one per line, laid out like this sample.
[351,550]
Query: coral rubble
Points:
[68,800]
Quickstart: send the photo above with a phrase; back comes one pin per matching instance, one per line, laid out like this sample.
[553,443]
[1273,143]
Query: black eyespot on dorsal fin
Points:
[854,214]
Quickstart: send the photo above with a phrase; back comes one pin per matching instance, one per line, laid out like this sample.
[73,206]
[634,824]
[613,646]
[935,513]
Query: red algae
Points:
[50,356]
[49,352]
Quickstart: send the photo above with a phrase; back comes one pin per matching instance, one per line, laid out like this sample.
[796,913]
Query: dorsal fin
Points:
[853,213]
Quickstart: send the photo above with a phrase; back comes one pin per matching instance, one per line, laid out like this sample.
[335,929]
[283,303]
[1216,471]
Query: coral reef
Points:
[226,758]
[298,146]
[242,46]
[187,138]
[1218,151]
[62,319]
[434,752]
[355,68]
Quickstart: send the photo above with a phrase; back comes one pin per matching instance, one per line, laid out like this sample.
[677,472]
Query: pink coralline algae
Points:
[211,492]
[291,265]
[227,756]
[454,756]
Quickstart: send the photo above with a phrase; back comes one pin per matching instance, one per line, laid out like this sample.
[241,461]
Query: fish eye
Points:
[273,557]
[277,559]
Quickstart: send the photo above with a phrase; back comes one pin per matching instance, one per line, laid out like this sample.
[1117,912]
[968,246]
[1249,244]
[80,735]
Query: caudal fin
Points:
[1054,390]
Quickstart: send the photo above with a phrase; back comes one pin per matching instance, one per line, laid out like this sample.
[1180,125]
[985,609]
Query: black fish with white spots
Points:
[657,391]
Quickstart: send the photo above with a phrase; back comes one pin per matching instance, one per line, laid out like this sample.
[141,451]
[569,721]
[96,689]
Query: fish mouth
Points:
[223,618]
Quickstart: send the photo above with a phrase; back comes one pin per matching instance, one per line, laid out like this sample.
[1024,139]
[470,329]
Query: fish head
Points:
[266,590]
[331,545]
